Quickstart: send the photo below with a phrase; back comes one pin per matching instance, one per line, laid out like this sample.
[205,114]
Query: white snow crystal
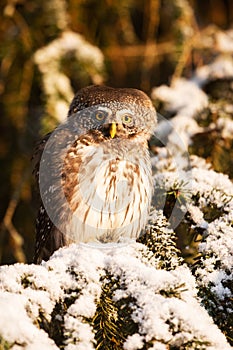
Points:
[221,68]
[225,41]
[133,342]
[184,97]
[226,126]
[17,327]
[197,215]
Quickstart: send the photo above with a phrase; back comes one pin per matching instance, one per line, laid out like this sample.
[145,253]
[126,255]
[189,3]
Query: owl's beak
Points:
[113,130]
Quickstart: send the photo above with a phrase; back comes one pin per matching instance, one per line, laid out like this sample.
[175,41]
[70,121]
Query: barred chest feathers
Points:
[109,193]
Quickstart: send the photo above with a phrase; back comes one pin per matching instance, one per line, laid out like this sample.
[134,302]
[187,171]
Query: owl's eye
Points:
[127,118]
[100,115]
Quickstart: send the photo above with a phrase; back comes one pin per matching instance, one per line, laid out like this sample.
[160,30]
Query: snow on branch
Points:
[203,119]
[60,303]
[56,85]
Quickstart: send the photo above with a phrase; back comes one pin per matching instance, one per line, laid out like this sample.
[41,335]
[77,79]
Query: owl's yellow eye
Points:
[100,115]
[126,118]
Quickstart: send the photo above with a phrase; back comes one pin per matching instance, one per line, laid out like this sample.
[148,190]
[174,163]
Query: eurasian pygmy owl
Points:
[94,171]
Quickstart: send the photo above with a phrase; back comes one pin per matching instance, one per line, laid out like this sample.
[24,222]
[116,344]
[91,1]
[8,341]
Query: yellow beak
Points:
[113,130]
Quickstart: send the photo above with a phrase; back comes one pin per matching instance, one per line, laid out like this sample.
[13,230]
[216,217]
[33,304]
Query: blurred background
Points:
[50,49]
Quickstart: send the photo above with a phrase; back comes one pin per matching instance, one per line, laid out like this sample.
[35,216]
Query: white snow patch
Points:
[17,327]
[225,41]
[133,342]
[79,268]
[221,68]
[226,126]
[197,215]
[184,97]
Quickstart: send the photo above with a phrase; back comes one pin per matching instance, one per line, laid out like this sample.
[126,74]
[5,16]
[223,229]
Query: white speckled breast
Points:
[111,194]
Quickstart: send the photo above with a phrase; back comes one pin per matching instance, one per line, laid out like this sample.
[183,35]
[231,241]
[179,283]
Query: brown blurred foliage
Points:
[145,43]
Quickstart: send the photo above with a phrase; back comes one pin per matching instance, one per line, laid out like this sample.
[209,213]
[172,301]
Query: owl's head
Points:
[116,112]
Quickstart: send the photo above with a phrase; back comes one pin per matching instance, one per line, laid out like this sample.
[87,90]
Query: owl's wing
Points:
[48,237]
[36,157]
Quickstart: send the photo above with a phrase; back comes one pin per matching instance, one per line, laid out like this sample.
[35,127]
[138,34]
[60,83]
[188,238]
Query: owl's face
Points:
[120,113]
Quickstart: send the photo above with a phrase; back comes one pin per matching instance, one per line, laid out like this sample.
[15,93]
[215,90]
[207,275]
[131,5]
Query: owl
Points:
[94,171]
